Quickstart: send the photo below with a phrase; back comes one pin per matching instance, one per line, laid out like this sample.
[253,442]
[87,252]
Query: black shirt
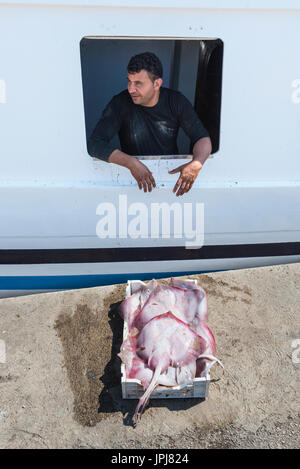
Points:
[145,130]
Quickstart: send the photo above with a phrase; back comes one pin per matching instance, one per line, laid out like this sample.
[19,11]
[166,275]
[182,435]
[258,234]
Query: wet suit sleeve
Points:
[189,120]
[108,126]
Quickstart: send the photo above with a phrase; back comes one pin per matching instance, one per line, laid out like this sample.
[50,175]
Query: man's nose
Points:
[131,88]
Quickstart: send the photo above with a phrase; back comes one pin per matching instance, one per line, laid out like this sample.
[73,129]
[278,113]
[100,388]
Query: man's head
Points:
[144,78]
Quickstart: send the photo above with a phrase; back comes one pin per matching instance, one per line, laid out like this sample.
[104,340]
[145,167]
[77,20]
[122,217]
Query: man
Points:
[147,118]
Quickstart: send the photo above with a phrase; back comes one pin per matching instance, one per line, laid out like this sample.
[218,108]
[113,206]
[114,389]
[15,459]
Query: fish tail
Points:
[145,397]
[213,361]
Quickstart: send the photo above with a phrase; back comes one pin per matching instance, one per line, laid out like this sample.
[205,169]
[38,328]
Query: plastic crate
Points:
[133,389]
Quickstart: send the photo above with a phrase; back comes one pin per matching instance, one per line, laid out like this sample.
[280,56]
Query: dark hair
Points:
[146,61]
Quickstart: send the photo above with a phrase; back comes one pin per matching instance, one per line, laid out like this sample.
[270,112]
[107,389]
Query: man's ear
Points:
[157,83]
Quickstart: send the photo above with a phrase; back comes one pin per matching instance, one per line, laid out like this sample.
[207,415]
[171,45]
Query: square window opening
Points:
[192,66]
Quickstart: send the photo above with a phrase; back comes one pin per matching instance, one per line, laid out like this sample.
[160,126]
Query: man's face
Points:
[142,89]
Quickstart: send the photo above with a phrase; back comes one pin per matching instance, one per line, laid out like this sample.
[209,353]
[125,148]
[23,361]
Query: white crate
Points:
[133,389]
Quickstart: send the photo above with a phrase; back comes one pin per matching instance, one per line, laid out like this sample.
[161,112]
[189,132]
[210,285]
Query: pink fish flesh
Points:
[169,342]
[137,368]
[166,341]
[131,306]
[189,305]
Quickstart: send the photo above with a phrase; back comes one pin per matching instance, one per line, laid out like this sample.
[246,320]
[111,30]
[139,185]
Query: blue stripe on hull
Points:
[78,281]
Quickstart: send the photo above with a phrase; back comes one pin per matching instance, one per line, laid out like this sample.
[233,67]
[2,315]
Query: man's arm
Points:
[139,171]
[195,130]
[100,146]
[99,143]
[201,150]
[189,171]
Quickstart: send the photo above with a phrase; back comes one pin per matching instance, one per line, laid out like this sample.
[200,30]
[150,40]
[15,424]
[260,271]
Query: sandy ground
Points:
[60,385]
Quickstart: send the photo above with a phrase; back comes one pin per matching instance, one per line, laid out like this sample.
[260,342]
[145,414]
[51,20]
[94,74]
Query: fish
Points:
[187,284]
[137,368]
[189,305]
[132,305]
[165,341]
[169,342]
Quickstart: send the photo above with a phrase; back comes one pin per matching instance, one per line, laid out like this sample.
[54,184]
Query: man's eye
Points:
[137,83]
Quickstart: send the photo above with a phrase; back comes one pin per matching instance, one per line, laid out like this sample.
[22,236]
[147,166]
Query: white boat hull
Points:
[51,189]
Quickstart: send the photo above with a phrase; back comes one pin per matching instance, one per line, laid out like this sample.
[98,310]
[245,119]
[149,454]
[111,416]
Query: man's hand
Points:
[189,171]
[139,171]
[142,175]
[188,174]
